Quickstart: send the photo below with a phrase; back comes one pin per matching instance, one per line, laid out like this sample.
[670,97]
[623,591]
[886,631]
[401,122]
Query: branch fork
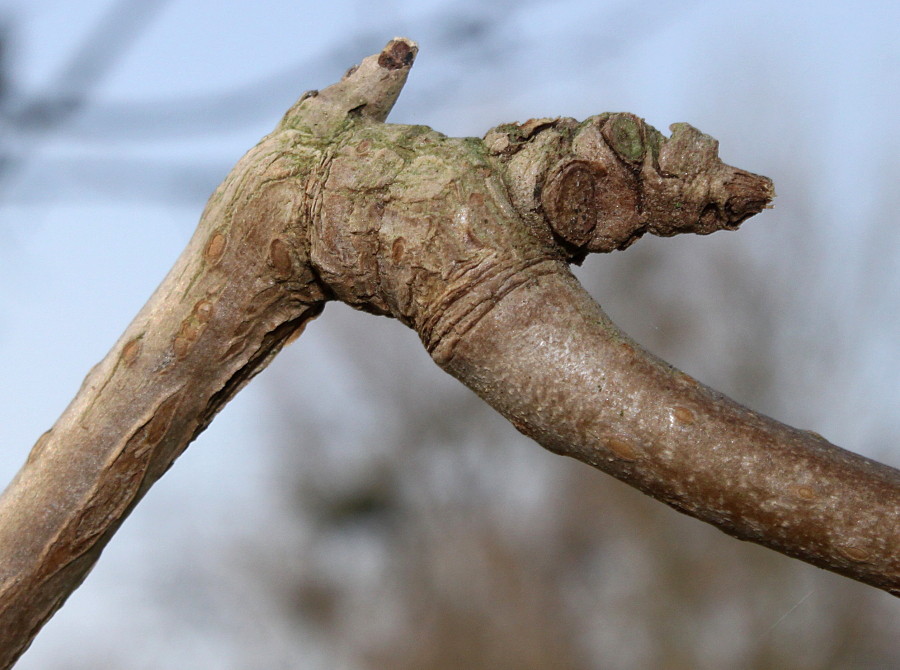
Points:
[469,242]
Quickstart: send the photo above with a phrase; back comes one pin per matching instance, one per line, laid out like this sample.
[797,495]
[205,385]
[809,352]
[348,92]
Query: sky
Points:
[96,204]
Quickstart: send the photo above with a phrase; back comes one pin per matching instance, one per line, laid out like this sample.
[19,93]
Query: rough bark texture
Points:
[467,241]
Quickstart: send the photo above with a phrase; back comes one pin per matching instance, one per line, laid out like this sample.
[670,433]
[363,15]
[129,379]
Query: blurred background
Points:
[354,507]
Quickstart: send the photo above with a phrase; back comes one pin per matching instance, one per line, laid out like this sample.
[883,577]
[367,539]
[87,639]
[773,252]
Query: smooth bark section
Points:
[563,374]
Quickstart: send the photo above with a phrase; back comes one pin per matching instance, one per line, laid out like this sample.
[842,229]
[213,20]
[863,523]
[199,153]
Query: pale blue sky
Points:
[97,209]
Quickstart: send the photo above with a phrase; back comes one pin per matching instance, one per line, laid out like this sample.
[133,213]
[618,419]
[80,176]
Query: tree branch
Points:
[467,241]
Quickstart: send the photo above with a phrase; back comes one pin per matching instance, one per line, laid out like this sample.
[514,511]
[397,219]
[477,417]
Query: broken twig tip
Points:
[399,53]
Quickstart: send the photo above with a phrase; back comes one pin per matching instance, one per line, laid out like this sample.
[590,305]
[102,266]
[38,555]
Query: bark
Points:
[468,241]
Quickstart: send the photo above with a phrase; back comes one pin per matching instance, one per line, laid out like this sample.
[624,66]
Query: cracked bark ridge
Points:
[468,242]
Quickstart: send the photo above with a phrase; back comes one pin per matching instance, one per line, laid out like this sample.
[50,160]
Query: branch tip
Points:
[367,90]
[399,53]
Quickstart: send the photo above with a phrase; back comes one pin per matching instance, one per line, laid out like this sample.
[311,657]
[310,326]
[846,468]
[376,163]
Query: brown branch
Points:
[468,242]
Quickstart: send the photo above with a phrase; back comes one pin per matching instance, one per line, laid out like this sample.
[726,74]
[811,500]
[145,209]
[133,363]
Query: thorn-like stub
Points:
[367,91]
[399,53]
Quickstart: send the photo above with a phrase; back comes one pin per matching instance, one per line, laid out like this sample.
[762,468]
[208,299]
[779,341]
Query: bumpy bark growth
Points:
[467,241]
